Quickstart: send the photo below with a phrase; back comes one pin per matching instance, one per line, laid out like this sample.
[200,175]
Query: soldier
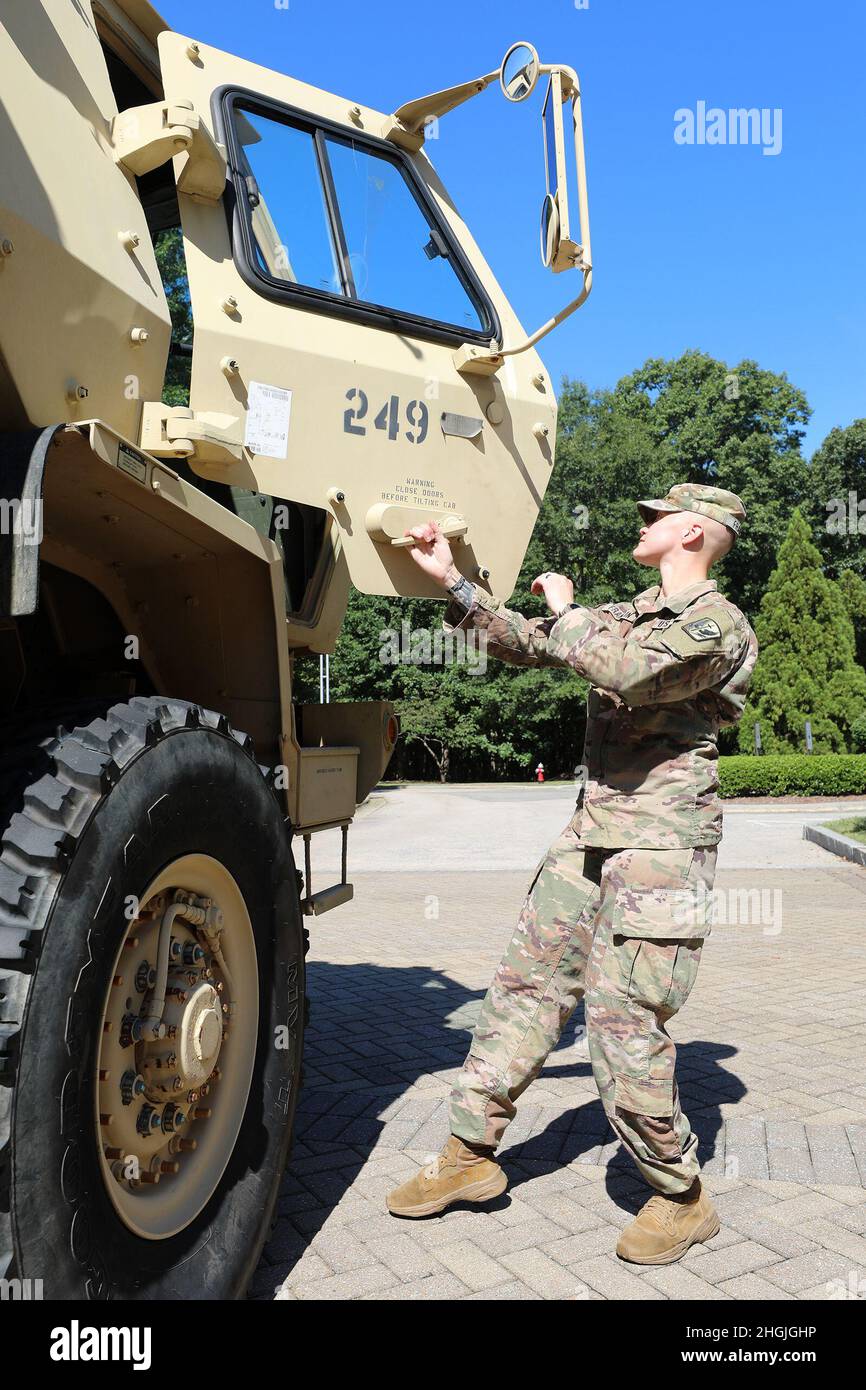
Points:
[617,910]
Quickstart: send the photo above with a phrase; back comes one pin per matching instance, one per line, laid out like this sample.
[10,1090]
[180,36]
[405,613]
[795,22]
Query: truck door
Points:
[332,286]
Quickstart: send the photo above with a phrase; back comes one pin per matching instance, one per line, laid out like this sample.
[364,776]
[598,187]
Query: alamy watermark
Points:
[423,647]
[847,516]
[739,125]
[21,518]
[701,906]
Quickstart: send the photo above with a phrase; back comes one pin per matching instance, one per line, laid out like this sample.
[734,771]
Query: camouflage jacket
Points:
[665,674]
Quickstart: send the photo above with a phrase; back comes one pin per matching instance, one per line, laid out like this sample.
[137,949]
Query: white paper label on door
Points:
[268,415]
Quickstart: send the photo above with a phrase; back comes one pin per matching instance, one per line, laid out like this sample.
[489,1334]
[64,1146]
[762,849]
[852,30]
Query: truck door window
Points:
[287,207]
[345,225]
[396,257]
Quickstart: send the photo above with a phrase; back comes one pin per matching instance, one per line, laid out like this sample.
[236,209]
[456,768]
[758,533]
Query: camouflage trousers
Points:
[624,928]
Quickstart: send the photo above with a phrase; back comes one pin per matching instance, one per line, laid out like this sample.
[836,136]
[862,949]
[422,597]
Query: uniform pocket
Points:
[662,913]
[642,1096]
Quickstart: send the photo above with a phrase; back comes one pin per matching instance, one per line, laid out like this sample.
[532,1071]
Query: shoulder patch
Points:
[703,629]
[712,631]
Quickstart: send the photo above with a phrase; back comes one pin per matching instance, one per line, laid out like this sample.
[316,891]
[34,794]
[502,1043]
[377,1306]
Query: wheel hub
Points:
[152,1128]
[194,1019]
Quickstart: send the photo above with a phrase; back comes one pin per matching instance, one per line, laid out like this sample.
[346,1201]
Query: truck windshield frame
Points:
[346,304]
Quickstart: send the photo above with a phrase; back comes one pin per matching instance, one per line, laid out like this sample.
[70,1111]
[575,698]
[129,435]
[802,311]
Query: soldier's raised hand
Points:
[556,588]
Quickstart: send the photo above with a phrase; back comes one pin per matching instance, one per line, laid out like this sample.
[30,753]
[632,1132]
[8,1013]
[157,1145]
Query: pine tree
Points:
[806,667]
[853,588]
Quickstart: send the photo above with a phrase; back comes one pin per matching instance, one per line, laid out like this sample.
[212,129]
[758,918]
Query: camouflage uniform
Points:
[617,909]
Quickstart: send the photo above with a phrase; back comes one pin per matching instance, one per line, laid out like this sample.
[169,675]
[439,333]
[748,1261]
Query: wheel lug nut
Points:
[183,1146]
[131,1085]
[106,1119]
[112,1152]
[145,977]
[172,1118]
[202,1113]
[149,1177]
[148,1120]
[192,954]
[131,943]
[130,1030]
[169,1167]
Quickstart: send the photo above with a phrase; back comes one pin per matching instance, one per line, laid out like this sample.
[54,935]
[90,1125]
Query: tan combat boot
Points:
[457,1174]
[666,1226]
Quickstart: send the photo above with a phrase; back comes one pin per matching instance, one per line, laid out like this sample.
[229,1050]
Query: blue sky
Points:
[718,247]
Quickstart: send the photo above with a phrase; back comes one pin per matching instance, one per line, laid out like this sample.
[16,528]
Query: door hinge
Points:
[143,137]
[175,431]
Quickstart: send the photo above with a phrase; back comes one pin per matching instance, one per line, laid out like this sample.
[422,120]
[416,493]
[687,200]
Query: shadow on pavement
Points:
[374,1032]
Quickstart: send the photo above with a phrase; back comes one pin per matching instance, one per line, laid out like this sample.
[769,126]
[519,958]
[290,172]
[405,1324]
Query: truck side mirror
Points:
[549,231]
[563,159]
[519,72]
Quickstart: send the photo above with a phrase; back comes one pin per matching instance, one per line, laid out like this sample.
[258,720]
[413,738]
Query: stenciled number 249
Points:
[413,423]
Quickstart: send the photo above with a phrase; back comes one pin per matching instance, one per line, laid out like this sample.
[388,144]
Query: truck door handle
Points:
[451,527]
[386,522]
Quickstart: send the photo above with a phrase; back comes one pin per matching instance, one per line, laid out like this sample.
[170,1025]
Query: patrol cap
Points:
[722,506]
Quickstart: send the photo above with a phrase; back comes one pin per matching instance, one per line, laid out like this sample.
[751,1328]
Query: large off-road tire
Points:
[155,803]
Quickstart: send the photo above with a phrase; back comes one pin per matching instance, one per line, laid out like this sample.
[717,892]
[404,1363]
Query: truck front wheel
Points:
[152,968]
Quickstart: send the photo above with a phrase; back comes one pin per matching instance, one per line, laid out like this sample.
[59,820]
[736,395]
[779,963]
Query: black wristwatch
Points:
[565,609]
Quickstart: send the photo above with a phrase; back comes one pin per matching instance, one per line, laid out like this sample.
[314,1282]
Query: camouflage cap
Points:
[722,506]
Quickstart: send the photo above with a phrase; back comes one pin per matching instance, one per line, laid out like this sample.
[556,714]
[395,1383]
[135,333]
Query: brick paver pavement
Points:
[770,1046]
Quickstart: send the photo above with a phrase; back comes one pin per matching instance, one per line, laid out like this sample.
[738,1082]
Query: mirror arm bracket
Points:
[406,126]
[569,78]
[474,361]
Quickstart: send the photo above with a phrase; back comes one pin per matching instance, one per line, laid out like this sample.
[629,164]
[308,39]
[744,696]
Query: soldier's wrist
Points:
[462,592]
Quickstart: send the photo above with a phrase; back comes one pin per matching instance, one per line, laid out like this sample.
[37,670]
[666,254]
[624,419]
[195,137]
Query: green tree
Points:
[171,261]
[838,477]
[458,719]
[588,524]
[853,587]
[806,665]
[736,427]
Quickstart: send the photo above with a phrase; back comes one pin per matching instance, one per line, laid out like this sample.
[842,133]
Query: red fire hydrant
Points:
[539,772]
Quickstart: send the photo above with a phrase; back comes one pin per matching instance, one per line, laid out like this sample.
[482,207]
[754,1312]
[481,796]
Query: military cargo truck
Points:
[355,368]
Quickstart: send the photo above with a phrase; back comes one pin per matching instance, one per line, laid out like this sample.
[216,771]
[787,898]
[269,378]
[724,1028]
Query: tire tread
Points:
[54,773]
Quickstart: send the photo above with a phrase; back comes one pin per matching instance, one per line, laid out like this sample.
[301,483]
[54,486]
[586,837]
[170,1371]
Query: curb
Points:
[842,845]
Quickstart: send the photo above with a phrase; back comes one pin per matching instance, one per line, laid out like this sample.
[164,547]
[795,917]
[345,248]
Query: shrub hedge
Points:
[792,774]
